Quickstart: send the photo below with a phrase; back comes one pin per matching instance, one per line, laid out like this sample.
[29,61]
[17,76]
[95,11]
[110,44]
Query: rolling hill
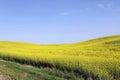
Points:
[97,59]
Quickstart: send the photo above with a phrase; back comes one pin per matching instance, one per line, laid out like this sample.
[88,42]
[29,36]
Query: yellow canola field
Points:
[98,57]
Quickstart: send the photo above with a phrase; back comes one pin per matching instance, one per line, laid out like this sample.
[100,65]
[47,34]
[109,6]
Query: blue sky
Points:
[58,21]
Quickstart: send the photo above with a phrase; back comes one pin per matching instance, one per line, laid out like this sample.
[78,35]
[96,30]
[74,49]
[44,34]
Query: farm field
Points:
[96,59]
[14,71]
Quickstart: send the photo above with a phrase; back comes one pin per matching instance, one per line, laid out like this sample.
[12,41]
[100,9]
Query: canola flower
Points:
[95,58]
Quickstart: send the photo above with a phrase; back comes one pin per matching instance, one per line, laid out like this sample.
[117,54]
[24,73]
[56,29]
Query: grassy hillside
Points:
[97,59]
[14,71]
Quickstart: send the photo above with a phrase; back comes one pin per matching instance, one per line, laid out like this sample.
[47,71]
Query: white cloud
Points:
[109,5]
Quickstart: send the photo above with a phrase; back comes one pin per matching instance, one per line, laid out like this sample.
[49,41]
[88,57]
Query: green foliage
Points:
[22,72]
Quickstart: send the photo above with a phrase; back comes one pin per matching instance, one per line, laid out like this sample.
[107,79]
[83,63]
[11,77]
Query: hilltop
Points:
[96,59]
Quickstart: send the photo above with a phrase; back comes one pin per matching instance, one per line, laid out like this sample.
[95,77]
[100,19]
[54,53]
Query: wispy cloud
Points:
[110,6]
[100,5]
